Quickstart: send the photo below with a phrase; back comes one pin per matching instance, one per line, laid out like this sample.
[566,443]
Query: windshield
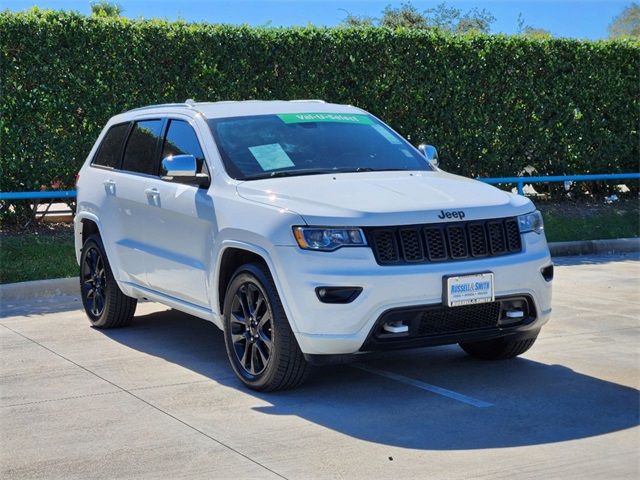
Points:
[265,146]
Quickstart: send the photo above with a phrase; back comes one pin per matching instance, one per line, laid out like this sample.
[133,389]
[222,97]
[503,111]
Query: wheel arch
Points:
[85,224]
[231,257]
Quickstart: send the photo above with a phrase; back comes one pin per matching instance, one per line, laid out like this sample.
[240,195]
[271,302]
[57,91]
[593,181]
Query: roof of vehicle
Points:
[252,107]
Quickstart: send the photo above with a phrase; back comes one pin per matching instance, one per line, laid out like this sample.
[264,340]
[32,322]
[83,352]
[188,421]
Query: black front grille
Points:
[411,244]
[496,238]
[449,320]
[444,242]
[478,239]
[385,243]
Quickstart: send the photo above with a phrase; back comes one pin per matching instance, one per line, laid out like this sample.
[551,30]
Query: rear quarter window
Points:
[110,150]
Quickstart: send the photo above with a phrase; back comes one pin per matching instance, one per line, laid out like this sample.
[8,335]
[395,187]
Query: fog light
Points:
[338,294]
[395,327]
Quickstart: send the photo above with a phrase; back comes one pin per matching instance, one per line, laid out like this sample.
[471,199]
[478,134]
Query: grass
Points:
[36,257]
[50,253]
[584,221]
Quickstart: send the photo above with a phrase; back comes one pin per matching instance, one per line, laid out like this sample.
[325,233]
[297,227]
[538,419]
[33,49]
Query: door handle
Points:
[110,186]
[152,192]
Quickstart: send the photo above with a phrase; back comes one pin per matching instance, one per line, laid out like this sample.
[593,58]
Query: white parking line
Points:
[426,386]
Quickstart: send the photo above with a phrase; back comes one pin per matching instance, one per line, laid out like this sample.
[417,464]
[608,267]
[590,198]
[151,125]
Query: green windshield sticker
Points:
[326,117]
[271,156]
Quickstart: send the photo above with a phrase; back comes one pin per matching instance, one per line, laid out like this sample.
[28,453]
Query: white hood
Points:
[384,198]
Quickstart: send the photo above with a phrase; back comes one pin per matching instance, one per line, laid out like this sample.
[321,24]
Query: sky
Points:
[563,18]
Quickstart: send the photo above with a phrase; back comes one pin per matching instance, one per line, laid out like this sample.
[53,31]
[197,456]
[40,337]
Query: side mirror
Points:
[430,153]
[183,169]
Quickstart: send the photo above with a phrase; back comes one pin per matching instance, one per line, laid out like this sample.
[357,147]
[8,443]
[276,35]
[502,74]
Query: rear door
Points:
[100,193]
[183,228]
[132,188]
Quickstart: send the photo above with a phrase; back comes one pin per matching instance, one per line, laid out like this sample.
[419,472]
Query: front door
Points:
[182,225]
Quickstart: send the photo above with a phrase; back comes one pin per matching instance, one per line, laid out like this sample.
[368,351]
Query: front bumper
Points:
[429,325]
[333,329]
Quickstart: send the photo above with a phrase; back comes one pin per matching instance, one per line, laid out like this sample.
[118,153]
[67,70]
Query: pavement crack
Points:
[61,399]
[155,407]
[151,387]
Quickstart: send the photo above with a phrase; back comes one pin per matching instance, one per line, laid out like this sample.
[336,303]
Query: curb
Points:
[591,247]
[40,288]
[69,286]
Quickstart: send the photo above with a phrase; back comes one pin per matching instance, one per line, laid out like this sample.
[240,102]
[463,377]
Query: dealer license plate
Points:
[469,289]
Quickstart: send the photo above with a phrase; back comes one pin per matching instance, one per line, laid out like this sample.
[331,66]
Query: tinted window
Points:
[310,143]
[181,139]
[111,147]
[139,154]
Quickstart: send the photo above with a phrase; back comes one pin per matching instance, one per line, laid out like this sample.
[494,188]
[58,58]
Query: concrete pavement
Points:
[158,399]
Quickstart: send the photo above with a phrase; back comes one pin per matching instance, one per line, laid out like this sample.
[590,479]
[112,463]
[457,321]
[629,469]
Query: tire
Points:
[261,347]
[103,301]
[499,348]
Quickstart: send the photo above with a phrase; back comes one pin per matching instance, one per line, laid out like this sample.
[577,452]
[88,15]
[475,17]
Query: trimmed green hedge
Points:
[492,104]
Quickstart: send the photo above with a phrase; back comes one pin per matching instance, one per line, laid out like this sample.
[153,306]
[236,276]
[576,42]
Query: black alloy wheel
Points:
[260,344]
[251,328]
[94,281]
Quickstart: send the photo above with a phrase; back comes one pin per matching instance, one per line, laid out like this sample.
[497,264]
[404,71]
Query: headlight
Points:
[531,222]
[328,239]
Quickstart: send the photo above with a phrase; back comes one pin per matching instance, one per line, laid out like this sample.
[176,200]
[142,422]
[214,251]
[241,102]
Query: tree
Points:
[531,32]
[475,21]
[539,33]
[406,15]
[356,21]
[452,19]
[104,8]
[441,17]
[627,23]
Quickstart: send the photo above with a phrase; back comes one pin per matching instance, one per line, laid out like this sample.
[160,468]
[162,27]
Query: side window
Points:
[139,154]
[108,154]
[181,139]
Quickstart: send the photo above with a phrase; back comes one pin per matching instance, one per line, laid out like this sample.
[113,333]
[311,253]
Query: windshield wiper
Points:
[318,171]
[368,169]
[289,173]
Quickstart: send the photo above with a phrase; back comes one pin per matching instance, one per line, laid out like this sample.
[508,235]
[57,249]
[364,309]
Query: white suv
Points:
[307,232]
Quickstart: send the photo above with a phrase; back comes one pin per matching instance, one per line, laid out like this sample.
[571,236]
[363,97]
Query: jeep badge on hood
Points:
[458,214]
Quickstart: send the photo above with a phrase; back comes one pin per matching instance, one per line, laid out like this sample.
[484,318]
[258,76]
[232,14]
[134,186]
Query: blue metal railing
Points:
[37,195]
[518,181]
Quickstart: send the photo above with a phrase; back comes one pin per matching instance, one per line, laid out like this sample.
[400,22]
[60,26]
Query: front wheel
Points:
[260,345]
[499,348]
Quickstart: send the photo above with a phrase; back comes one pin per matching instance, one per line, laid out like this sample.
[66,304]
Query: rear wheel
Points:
[260,345]
[499,348]
[103,301]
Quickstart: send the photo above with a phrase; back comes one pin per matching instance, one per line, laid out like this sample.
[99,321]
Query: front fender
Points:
[266,254]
